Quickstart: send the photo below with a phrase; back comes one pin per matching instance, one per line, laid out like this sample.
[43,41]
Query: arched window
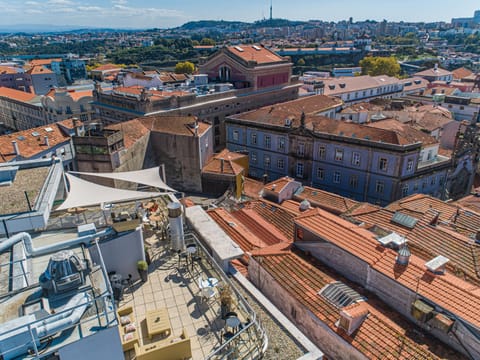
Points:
[224,73]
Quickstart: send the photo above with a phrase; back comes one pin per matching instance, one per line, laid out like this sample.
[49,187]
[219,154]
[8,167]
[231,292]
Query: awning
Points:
[86,193]
[150,177]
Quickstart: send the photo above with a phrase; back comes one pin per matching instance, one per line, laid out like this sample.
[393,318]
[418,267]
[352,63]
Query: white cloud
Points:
[60,2]
[121,2]
[62,10]
[34,11]
[32,3]
[90,8]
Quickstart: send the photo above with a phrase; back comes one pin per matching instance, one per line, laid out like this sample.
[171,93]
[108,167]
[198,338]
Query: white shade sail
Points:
[86,193]
[150,177]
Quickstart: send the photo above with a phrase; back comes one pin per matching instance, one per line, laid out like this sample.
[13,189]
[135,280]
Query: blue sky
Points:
[159,13]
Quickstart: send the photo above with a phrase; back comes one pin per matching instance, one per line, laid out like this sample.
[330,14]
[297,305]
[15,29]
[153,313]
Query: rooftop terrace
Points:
[174,284]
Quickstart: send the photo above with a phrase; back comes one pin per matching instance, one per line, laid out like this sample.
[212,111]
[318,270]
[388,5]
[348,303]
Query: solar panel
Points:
[404,220]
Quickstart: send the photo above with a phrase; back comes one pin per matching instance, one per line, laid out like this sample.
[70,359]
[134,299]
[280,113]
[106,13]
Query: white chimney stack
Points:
[47,143]
[16,150]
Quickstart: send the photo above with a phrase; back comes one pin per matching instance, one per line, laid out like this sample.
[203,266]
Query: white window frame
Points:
[320,173]
[322,152]
[267,161]
[356,158]
[337,177]
[235,135]
[301,149]
[384,167]
[254,138]
[267,141]
[300,169]
[253,157]
[281,164]
[338,154]
[379,187]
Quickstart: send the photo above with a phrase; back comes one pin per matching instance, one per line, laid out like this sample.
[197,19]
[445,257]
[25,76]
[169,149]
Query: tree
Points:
[207,41]
[185,67]
[301,62]
[380,66]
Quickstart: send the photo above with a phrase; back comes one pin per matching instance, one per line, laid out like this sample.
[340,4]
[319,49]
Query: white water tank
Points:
[175,220]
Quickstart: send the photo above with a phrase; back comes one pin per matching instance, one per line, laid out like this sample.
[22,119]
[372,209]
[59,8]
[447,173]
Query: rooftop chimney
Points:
[16,150]
[221,165]
[47,143]
[435,67]
[76,127]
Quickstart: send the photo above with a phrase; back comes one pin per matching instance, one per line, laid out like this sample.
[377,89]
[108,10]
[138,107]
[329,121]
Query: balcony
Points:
[173,284]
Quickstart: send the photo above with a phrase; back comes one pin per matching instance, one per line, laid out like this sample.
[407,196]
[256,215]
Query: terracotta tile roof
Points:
[432,122]
[337,86]
[30,145]
[17,94]
[229,166]
[470,202]
[331,202]
[239,233]
[357,241]
[178,125]
[415,83]
[252,188]
[278,185]
[277,113]
[382,335]
[401,134]
[406,134]
[461,73]
[133,130]
[463,221]
[7,70]
[446,290]
[433,72]
[354,310]
[444,90]
[433,109]
[273,218]
[41,62]
[259,54]
[291,206]
[39,70]
[222,166]
[428,241]
[107,67]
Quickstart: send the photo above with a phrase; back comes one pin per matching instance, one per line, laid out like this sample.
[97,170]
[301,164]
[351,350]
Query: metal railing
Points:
[251,340]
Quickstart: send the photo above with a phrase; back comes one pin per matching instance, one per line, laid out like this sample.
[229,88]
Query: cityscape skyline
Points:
[162,14]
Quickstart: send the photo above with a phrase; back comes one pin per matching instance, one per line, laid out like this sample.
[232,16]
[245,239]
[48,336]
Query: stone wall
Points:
[330,343]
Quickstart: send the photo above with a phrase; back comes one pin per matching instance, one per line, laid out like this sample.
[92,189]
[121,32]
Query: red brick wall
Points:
[271,80]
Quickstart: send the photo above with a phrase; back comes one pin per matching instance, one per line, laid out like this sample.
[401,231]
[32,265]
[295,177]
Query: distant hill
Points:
[44,28]
[202,24]
[277,23]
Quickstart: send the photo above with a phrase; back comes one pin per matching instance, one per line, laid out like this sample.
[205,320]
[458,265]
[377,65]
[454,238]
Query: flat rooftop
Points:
[27,181]
[174,285]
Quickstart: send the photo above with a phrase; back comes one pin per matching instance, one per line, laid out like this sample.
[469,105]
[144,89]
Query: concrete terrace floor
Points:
[175,287]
